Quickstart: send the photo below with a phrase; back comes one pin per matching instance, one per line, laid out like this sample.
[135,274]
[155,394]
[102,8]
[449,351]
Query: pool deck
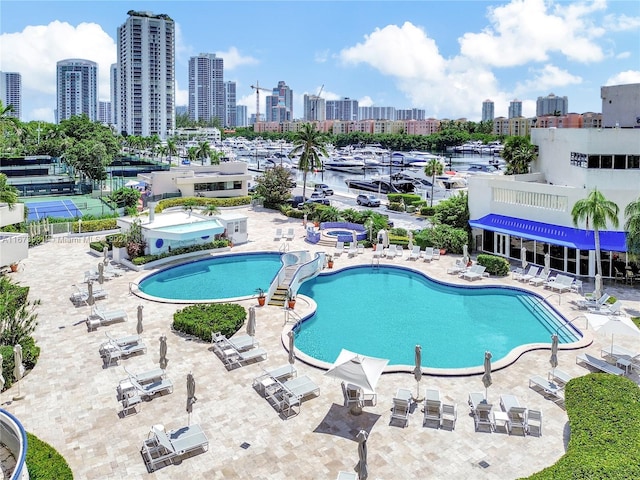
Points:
[70,399]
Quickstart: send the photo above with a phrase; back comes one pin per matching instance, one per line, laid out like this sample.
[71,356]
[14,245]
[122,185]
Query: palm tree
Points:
[431,169]
[211,209]
[309,144]
[215,156]
[172,148]
[518,152]
[204,150]
[192,154]
[8,193]
[632,227]
[597,211]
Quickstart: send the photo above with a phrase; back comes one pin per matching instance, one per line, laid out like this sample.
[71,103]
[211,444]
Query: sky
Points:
[443,56]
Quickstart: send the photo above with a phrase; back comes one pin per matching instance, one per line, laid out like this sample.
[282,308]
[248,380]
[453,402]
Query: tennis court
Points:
[53,208]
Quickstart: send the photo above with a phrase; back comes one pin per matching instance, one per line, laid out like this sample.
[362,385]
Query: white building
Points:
[14,247]
[76,89]
[145,86]
[533,211]
[11,92]
[229,179]
[206,88]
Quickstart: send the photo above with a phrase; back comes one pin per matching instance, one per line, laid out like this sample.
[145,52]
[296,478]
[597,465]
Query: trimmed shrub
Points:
[406,198]
[142,259]
[442,236]
[99,246]
[44,462]
[427,211]
[604,416]
[202,202]
[95,225]
[203,319]
[494,265]
[396,206]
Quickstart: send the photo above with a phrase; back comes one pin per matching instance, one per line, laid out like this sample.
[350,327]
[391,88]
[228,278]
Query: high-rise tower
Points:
[76,89]
[515,108]
[146,75]
[552,105]
[279,104]
[488,111]
[11,92]
[206,88]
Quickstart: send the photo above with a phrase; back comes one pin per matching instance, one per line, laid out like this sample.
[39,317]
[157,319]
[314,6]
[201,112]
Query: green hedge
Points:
[95,225]
[181,251]
[30,354]
[442,236]
[604,416]
[203,319]
[406,198]
[44,462]
[494,265]
[202,202]
[99,246]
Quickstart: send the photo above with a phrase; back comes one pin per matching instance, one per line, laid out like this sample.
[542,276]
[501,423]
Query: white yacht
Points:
[345,163]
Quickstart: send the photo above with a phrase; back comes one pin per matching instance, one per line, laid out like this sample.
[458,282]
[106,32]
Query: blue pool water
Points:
[386,312]
[335,233]
[221,277]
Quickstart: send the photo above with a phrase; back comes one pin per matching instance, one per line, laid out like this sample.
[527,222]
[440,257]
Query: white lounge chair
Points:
[616,353]
[81,295]
[270,377]
[559,376]
[474,273]
[517,414]
[458,268]
[360,249]
[432,408]
[449,416]
[390,252]
[353,250]
[399,251]
[547,388]
[561,283]
[153,388]
[436,253]
[240,342]
[401,406]
[532,272]
[338,249]
[483,417]
[289,395]
[590,302]
[111,352]
[162,448]
[346,476]
[148,376]
[278,235]
[427,255]
[100,317]
[598,364]
[540,279]
[415,253]
[608,309]
[239,358]
[475,399]
[290,234]
[517,273]
[353,396]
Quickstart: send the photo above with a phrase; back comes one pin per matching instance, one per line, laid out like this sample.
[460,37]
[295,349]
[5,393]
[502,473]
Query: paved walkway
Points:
[71,400]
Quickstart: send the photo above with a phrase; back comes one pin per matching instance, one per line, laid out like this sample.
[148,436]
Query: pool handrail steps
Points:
[14,437]
[307,271]
[291,259]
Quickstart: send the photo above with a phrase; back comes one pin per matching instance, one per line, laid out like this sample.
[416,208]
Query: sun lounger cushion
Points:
[599,364]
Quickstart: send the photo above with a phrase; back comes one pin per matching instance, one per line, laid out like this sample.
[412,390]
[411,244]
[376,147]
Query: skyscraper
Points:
[241,116]
[314,108]
[113,92]
[280,104]
[344,109]
[488,113]
[230,104]
[515,108]
[76,89]
[11,92]
[552,105]
[206,88]
[104,113]
[146,75]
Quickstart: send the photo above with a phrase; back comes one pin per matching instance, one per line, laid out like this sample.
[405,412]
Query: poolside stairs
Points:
[280,295]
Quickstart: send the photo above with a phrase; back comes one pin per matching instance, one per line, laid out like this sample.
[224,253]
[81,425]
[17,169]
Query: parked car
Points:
[368,200]
[322,201]
[295,200]
[317,194]
[324,188]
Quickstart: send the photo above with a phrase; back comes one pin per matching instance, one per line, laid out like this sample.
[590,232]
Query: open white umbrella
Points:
[614,325]
[417,371]
[163,352]
[139,327]
[18,368]
[191,395]
[465,254]
[553,360]
[292,355]
[251,322]
[523,257]
[547,263]
[361,467]
[358,370]
[486,378]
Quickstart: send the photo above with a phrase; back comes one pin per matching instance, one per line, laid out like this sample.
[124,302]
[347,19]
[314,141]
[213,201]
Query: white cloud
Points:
[35,51]
[621,23]
[623,55]
[234,59]
[624,78]
[365,101]
[321,56]
[548,78]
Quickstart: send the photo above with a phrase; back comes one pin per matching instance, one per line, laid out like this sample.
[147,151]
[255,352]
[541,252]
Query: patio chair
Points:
[458,268]
[339,249]
[100,317]
[353,396]
[547,387]
[532,272]
[353,250]
[534,423]
[432,408]
[401,406]
[559,376]
[162,448]
[150,389]
[608,309]
[427,255]
[517,414]
[598,364]
[475,399]
[449,416]
[483,417]
[474,273]
[290,234]
[415,253]
[590,302]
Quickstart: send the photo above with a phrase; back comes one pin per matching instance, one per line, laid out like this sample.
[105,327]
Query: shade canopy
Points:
[139,327]
[359,370]
[553,360]
[292,355]
[163,352]
[613,325]
[486,377]
[251,322]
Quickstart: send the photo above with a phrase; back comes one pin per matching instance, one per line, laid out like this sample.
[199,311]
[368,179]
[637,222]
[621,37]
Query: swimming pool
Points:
[385,312]
[226,276]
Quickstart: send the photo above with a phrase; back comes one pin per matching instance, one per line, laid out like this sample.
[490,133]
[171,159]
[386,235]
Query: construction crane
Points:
[257,88]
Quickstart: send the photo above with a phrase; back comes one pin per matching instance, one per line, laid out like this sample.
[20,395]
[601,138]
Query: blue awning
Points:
[549,233]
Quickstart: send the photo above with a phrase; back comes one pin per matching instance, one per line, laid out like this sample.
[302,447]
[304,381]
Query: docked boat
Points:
[345,164]
[381,185]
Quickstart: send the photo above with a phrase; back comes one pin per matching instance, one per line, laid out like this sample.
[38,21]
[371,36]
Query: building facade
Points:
[344,109]
[11,92]
[515,108]
[76,89]
[552,105]
[314,108]
[145,86]
[621,105]
[376,113]
[104,113]
[113,84]
[488,111]
[206,88]
[410,114]
[230,104]
[279,105]
[241,116]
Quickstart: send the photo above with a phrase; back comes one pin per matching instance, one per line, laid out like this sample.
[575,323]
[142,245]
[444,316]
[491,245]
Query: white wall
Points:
[14,247]
[9,217]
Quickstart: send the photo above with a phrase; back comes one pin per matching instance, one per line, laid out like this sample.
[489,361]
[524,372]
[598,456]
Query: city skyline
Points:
[405,55]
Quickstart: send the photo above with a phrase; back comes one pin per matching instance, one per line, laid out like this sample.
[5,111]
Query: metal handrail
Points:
[570,322]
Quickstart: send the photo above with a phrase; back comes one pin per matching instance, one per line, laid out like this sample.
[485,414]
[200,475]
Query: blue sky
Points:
[445,57]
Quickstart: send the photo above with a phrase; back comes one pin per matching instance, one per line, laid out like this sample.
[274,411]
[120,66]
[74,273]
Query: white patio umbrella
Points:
[191,395]
[100,273]
[597,292]
[18,368]
[354,237]
[361,467]
[465,254]
[90,299]
[292,355]
[523,257]
[139,327]
[132,183]
[417,371]
[358,370]
[486,378]
[614,325]
[553,360]
[547,263]
[163,352]
[251,322]
[1,375]
[410,235]
[105,252]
